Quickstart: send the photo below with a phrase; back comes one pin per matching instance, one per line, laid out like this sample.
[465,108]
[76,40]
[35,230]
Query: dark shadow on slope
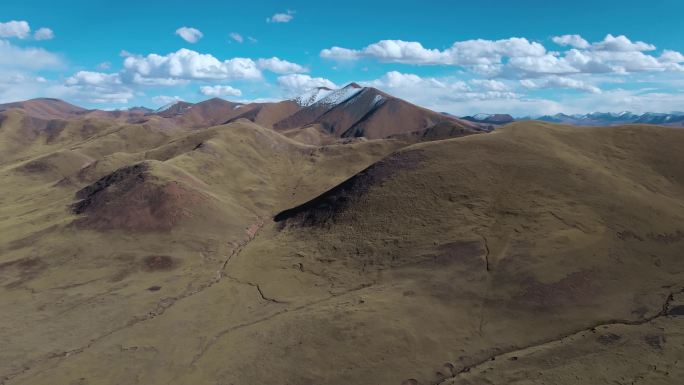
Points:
[328,205]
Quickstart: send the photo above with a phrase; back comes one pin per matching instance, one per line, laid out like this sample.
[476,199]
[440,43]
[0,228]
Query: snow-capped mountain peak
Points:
[312,96]
[323,96]
[340,95]
[167,106]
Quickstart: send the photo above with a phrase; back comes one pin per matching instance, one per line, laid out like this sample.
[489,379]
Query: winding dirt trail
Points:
[161,307]
[662,313]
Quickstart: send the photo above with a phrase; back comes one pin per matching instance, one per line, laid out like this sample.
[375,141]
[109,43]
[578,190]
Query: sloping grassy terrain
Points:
[234,255]
[449,253]
[99,232]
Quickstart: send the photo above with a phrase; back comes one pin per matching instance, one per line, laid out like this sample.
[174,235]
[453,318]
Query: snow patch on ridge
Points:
[326,97]
[339,96]
[166,107]
[312,96]
[482,116]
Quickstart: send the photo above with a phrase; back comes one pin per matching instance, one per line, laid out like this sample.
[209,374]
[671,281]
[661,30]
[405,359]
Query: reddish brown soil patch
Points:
[465,253]
[666,238]
[576,288]
[655,341]
[29,240]
[51,129]
[628,235]
[159,262]
[462,249]
[132,199]
[609,338]
[35,166]
[20,271]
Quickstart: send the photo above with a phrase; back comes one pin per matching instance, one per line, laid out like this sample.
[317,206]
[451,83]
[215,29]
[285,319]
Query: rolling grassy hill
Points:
[151,253]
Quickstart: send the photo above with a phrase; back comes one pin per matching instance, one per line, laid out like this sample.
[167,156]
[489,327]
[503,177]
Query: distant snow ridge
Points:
[312,96]
[611,118]
[323,96]
[482,116]
[338,96]
[165,107]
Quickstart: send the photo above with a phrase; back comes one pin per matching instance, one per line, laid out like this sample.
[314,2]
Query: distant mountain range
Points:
[593,119]
[340,237]
[321,114]
[347,112]
[495,119]
[609,119]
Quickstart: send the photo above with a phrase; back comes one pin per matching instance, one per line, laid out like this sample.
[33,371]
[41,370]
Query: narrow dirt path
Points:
[662,313]
[161,307]
[233,328]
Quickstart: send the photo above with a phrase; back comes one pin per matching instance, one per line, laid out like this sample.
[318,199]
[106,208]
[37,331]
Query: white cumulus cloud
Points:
[294,84]
[179,68]
[219,90]
[669,56]
[398,80]
[22,30]
[93,78]
[521,58]
[14,28]
[469,52]
[280,66]
[189,34]
[431,91]
[560,82]
[98,87]
[186,64]
[404,52]
[622,43]
[575,41]
[490,84]
[236,36]
[26,58]
[531,66]
[339,53]
[44,34]
[285,17]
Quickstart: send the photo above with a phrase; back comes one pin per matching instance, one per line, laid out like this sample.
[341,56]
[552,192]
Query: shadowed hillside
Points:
[457,261]
[108,227]
[355,111]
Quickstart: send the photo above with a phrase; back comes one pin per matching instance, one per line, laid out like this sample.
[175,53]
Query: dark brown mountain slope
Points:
[208,113]
[46,108]
[176,109]
[266,114]
[355,111]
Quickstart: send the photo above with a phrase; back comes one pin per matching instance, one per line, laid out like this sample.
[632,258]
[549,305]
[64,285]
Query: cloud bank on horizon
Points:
[518,75]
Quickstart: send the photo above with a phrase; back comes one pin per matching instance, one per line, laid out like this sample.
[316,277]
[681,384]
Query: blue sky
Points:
[520,57]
